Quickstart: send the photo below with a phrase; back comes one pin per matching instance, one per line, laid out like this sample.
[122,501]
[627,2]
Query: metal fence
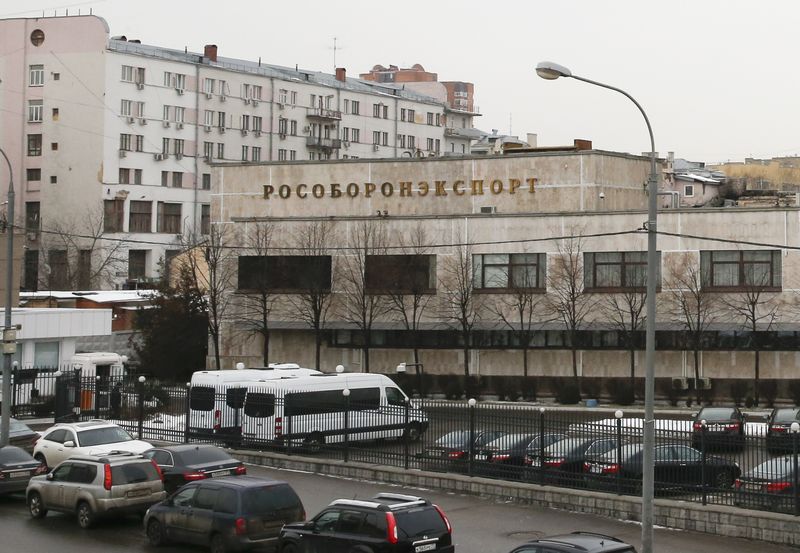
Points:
[749,465]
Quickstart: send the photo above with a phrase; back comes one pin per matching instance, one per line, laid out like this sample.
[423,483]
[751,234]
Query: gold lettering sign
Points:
[403,188]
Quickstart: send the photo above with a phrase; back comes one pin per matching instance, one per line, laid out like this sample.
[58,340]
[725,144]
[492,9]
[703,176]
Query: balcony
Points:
[325,114]
[326,144]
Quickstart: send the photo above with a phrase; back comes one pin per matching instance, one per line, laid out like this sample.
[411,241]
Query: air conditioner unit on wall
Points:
[178,125]
[123,153]
[207,128]
[166,124]
[131,119]
[142,121]
[222,98]
[208,95]
[702,383]
[680,383]
[179,91]
[140,86]
[375,147]
[158,157]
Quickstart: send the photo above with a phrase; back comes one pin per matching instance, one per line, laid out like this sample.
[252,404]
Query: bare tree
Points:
[212,266]
[362,305]
[569,300]
[693,307]
[756,308]
[625,310]
[312,303]
[255,305]
[460,305]
[411,293]
[77,253]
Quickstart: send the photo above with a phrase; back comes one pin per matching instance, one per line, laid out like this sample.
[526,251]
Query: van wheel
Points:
[218,544]
[314,442]
[36,505]
[85,515]
[413,432]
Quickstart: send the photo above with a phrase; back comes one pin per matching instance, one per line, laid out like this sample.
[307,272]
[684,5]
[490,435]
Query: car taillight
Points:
[737,483]
[777,429]
[217,419]
[611,469]
[2,475]
[501,457]
[241,469]
[107,476]
[528,460]
[456,454]
[278,427]
[41,469]
[554,463]
[444,518]
[776,487]
[240,526]
[697,426]
[587,467]
[733,426]
[194,475]
[158,470]
[391,528]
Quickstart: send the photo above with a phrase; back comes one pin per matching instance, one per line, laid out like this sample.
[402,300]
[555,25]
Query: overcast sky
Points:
[712,75]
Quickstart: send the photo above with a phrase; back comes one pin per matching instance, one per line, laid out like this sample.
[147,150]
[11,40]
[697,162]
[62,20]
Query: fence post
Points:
[141,406]
[97,397]
[405,433]
[703,460]
[187,411]
[288,435]
[471,453]
[541,445]
[795,430]
[618,415]
[346,394]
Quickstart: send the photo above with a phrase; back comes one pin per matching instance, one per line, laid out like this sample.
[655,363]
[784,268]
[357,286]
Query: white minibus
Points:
[310,410]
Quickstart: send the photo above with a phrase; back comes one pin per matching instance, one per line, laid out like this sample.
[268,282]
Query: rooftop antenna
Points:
[335,47]
[259,61]
[510,133]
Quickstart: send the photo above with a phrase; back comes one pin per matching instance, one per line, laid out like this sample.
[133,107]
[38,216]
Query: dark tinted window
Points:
[362,399]
[285,272]
[62,472]
[99,436]
[311,403]
[269,498]
[160,457]
[227,501]
[131,473]
[326,521]
[205,498]
[83,474]
[416,522]
[259,404]
[395,397]
[57,436]
[11,454]
[374,525]
[412,274]
[184,497]
[786,415]
[716,413]
[201,398]
[202,454]
[234,397]
[350,522]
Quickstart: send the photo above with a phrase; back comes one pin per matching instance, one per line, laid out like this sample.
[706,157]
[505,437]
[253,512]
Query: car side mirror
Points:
[69,443]
[49,476]
[135,435]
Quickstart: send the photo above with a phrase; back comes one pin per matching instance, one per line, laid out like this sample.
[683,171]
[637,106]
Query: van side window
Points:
[201,398]
[313,403]
[259,404]
[364,399]
[184,497]
[206,497]
[226,501]
[395,397]
[234,397]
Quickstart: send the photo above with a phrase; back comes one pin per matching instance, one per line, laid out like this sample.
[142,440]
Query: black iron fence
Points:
[748,463]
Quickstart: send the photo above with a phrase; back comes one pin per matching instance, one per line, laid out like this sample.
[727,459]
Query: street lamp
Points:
[9,334]
[552,71]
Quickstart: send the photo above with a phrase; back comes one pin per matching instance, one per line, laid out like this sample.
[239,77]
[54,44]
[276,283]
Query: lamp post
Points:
[551,71]
[9,333]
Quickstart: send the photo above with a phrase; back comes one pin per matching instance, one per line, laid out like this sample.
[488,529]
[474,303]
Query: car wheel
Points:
[315,442]
[723,479]
[36,505]
[413,432]
[218,544]
[85,515]
[289,548]
[155,533]
[39,457]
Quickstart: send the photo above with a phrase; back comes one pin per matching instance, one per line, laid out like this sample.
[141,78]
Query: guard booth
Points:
[99,371]
[67,397]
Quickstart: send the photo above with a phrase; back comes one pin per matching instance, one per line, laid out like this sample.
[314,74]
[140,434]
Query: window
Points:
[31,283]
[164,178]
[282,125]
[346,105]
[36,73]
[246,91]
[56,76]
[283,96]
[55,114]
[402,114]
[436,145]
[355,105]
[139,142]
[53,179]
[509,271]
[124,176]
[169,217]
[257,123]
[734,269]
[293,97]
[141,216]
[256,153]
[385,138]
[35,111]
[292,154]
[165,146]
[177,179]
[411,274]
[127,73]
[138,109]
[165,113]
[34,145]
[438,119]
[112,215]
[206,181]
[429,144]
[84,270]
[223,88]
[180,81]
[356,135]
[32,210]
[179,114]
[245,152]
[411,116]
[208,117]
[220,150]
[412,142]
[293,127]
[395,397]
[430,118]
[125,142]
[256,92]
[140,75]
[245,122]
[125,108]
[178,144]
[45,355]
[167,78]
[208,150]
[345,134]
[137,176]
[54,146]
[615,270]
[376,110]
[376,137]
[208,85]
[402,140]
[285,272]
[57,279]
[688,190]
[137,264]
[221,119]
[33,175]
[281,154]
[205,219]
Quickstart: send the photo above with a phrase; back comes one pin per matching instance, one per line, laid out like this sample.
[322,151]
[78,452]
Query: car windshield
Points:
[774,469]
[715,413]
[787,415]
[625,452]
[13,454]
[268,499]
[508,441]
[100,436]
[419,522]
[200,455]
[454,439]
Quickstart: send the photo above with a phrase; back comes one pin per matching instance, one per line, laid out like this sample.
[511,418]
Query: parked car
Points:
[189,462]
[21,435]
[770,485]
[505,456]
[16,469]
[230,514]
[450,452]
[388,523]
[95,437]
[724,428]
[779,439]
[94,486]
[585,542]
[676,467]
[565,461]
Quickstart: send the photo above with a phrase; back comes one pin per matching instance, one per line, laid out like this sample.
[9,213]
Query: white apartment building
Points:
[110,141]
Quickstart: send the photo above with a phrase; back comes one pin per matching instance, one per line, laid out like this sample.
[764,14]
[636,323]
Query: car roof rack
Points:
[358,503]
[399,501]
[597,535]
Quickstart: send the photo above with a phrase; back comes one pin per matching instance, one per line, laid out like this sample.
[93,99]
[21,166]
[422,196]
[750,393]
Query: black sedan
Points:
[566,461]
[768,486]
[676,467]
[724,428]
[503,457]
[16,469]
[20,435]
[779,424]
[451,451]
[189,462]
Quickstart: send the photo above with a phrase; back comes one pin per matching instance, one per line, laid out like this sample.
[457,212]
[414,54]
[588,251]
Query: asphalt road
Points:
[479,525]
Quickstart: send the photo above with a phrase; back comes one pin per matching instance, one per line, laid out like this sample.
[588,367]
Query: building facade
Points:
[112,141]
[380,237]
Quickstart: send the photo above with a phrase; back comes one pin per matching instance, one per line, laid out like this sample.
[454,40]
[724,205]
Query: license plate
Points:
[138,493]
[425,547]
[536,463]
[23,474]
[220,473]
[751,486]
[481,457]
[595,469]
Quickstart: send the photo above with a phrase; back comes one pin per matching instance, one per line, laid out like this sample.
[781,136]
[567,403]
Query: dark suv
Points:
[232,513]
[585,542]
[388,523]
